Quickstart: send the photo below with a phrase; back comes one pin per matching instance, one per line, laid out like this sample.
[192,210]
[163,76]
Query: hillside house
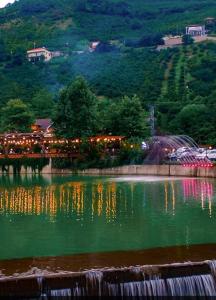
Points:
[39,54]
[196,30]
[43,125]
[93,46]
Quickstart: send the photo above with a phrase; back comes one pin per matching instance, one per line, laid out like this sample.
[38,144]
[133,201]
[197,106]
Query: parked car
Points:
[182,150]
[212,154]
[201,150]
[203,155]
[172,156]
[187,156]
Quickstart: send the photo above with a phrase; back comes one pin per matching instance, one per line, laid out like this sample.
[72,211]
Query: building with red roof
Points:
[39,54]
[42,125]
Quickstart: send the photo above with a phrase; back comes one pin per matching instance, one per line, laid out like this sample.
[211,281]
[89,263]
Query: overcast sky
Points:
[4,2]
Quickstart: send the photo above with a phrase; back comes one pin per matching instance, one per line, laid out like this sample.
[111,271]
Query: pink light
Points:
[198,165]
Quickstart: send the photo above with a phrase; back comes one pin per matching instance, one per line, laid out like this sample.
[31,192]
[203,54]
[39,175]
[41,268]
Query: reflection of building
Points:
[199,190]
[70,198]
[170,196]
[196,30]
[104,201]
[39,54]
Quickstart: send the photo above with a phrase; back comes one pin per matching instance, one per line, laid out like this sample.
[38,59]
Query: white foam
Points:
[146,179]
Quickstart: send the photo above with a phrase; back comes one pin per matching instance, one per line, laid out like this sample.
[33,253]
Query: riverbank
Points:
[147,170]
[144,170]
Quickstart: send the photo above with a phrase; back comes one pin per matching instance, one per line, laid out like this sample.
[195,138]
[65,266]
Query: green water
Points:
[60,215]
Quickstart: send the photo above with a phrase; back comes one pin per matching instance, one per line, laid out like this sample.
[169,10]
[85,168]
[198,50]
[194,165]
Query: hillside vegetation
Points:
[179,81]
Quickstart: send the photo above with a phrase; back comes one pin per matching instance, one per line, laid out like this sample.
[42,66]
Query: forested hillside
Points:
[179,81]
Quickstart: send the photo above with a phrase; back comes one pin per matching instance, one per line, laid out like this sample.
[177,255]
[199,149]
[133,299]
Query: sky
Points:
[4,2]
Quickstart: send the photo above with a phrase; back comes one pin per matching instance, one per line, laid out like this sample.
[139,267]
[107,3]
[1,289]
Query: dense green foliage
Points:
[125,116]
[97,156]
[187,101]
[76,111]
[180,82]
[187,39]
[16,116]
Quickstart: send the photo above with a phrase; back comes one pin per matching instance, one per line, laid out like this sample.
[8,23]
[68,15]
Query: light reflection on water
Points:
[200,190]
[67,198]
[70,197]
[69,215]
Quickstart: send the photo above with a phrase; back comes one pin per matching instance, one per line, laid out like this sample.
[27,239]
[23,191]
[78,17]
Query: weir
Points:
[187,279]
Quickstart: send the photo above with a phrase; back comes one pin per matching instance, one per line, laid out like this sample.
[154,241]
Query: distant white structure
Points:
[93,46]
[56,53]
[38,54]
[196,30]
[3,3]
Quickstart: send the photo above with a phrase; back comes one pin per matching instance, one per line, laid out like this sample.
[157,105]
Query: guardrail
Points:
[39,155]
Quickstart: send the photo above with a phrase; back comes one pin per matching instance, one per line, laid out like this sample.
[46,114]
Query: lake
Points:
[56,216]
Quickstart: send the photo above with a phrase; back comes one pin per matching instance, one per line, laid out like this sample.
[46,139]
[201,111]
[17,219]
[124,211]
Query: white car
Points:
[187,156]
[212,154]
[203,155]
[182,150]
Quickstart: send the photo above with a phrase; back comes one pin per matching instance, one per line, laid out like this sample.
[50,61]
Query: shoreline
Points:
[16,268]
[146,170]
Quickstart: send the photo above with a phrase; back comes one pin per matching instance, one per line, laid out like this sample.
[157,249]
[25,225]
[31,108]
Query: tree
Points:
[129,118]
[187,39]
[43,104]
[76,111]
[195,120]
[16,117]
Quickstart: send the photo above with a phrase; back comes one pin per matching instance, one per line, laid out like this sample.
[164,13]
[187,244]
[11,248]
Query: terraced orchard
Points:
[188,86]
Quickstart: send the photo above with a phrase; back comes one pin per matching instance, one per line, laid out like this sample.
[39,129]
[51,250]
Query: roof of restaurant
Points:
[44,123]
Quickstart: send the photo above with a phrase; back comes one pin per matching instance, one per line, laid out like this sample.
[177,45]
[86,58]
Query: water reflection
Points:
[70,215]
[200,190]
[102,198]
[68,198]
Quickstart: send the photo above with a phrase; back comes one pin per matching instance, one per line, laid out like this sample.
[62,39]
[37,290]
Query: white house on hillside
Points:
[38,54]
[93,46]
[196,30]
